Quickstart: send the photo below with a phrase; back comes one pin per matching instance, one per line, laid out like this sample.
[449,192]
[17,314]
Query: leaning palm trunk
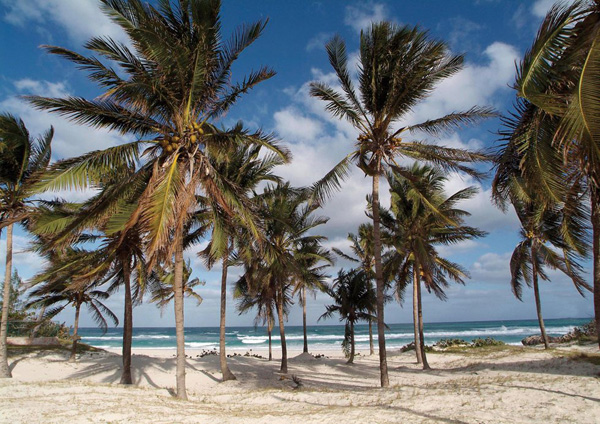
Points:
[421,337]
[416,317]
[305,350]
[371,347]
[127,322]
[536,291]
[4,369]
[73,356]
[385,382]
[179,323]
[596,252]
[227,374]
[40,321]
[351,359]
[283,368]
[270,330]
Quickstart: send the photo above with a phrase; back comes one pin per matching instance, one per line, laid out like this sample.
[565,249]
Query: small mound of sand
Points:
[303,357]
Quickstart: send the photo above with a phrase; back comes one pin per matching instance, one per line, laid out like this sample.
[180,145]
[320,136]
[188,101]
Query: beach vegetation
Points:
[174,81]
[398,66]
[421,217]
[23,159]
[353,297]
[558,80]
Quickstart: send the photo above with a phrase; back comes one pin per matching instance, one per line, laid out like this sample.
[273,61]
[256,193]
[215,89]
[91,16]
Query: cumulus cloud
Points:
[69,139]
[294,126]
[473,85]
[74,16]
[361,16]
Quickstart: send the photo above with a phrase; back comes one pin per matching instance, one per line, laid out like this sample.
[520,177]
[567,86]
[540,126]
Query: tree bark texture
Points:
[284,367]
[227,374]
[73,356]
[416,283]
[4,369]
[536,292]
[421,337]
[305,350]
[351,359]
[179,321]
[127,321]
[383,369]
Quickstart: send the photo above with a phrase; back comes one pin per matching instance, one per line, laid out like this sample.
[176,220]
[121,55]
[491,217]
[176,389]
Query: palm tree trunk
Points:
[371,347]
[73,356]
[4,369]
[179,321]
[416,283]
[536,292]
[421,337]
[40,321]
[305,350]
[385,382]
[127,322]
[351,359]
[227,374]
[270,330]
[284,368]
[596,252]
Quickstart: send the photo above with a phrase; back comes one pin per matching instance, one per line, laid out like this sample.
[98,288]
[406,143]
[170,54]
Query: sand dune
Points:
[508,386]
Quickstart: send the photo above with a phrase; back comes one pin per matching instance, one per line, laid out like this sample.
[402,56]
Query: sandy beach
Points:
[511,385]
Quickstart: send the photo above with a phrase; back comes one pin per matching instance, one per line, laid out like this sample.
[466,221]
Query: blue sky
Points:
[491,33]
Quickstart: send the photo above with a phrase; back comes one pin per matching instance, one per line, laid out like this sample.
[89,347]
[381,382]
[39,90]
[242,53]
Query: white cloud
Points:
[541,7]
[473,85]
[81,19]
[361,16]
[24,261]
[69,139]
[294,126]
[318,41]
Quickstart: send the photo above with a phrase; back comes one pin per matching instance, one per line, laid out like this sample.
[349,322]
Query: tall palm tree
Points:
[353,297]
[312,260]
[559,78]
[362,248]
[541,230]
[245,168]
[421,217]
[22,159]
[264,299]
[67,281]
[172,83]
[398,67]
[287,215]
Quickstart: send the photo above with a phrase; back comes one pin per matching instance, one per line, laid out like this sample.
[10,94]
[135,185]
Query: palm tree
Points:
[171,84]
[67,281]
[162,288]
[353,297]
[309,255]
[119,260]
[541,228]
[264,299]
[22,159]
[245,168]
[421,217]
[559,80]
[362,248]
[398,67]
[287,216]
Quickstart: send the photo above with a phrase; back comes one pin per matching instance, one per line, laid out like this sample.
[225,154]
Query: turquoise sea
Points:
[325,337]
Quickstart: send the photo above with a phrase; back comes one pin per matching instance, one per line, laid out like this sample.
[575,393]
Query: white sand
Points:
[513,386]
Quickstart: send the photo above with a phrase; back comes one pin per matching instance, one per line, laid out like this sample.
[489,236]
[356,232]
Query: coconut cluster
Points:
[191,134]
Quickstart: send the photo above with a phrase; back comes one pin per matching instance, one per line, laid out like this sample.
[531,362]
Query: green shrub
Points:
[446,343]
[488,341]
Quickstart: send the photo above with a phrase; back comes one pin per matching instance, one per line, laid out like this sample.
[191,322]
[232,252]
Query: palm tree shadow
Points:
[552,366]
[558,392]
[397,408]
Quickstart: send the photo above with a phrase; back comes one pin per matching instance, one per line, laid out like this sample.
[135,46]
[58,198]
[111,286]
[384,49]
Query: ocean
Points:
[325,337]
